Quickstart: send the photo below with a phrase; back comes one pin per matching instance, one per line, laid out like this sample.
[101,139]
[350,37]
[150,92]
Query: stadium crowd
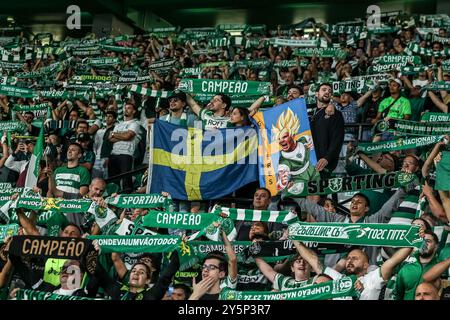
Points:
[94,102]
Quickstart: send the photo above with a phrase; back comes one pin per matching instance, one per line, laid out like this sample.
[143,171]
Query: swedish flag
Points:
[194,164]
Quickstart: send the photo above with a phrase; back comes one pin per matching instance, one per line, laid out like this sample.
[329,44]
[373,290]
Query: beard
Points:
[427,254]
[324,100]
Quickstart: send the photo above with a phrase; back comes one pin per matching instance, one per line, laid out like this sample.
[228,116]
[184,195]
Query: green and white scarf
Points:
[258,215]
[344,287]
[437,86]
[131,80]
[186,72]
[236,87]
[162,65]
[144,201]
[393,62]
[141,243]
[28,294]
[8,230]
[321,52]
[101,62]
[118,48]
[179,220]
[442,40]
[417,49]
[294,43]
[54,204]
[12,126]
[351,184]
[399,144]
[412,127]
[150,92]
[13,91]
[435,117]
[364,234]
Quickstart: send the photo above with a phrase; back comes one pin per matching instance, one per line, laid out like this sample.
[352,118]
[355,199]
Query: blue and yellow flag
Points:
[194,164]
[286,153]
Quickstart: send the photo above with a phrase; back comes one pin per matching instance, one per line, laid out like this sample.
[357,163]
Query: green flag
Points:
[33,165]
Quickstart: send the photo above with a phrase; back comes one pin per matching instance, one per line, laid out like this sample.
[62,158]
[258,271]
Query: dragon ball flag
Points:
[286,156]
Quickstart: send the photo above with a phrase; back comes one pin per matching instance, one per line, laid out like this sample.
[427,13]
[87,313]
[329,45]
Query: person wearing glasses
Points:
[217,273]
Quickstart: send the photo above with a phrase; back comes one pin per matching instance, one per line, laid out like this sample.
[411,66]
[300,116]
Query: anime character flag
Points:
[286,156]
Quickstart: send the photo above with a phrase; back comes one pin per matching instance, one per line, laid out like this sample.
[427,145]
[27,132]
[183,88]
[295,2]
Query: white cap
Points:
[397,80]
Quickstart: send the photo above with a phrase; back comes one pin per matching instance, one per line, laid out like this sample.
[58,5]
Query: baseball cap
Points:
[398,81]
[179,95]
[83,137]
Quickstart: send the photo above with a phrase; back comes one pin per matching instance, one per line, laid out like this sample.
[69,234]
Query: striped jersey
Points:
[70,180]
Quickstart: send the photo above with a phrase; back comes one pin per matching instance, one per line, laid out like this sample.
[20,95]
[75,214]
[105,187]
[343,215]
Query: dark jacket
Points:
[328,136]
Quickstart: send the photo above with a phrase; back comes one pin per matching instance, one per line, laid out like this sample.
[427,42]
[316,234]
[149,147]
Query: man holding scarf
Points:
[359,207]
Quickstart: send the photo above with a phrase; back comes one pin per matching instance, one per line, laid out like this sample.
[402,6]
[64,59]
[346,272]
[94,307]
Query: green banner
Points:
[235,87]
[393,62]
[144,201]
[363,234]
[399,144]
[321,52]
[179,220]
[24,107]
[351,184]
[344,287]
[412,127]
[435,117]
[12,91]
[12,126]
[118,48]
[27,294]
[88,78]
[437,86]
[103,61]
[8,230]
[141,243]
[137,79]
[54,204]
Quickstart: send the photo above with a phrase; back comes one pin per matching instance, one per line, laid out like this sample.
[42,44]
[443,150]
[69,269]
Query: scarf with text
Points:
[28,294]
[364,234]
[137,244]
[55,247]
[236,87]
[353,184]
[258,215]
[8,230]
[144,201]
[399,144]
[344,287]
[179,220]
[412,127]
[54,204]
[321,52]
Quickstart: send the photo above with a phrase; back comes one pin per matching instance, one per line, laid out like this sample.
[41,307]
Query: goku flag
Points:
[286,156]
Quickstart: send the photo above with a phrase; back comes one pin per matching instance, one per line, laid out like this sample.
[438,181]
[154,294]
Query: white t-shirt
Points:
[125,147]
[372,282]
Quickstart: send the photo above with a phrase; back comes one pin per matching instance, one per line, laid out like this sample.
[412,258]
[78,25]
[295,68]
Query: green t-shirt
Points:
[212,122]
[398,110]
[53,221]
[409,277]
[70,180]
